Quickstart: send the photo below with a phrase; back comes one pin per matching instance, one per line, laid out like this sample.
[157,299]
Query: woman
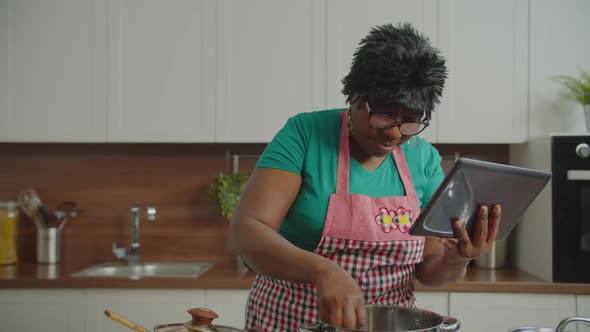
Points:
[324,217]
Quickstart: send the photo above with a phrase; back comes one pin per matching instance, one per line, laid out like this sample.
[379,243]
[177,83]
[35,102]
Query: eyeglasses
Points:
[384,121]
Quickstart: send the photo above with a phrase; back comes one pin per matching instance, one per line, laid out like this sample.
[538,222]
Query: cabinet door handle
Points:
[578,175]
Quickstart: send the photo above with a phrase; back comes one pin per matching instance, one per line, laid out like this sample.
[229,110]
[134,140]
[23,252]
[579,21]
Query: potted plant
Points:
[578,90]
[224,192]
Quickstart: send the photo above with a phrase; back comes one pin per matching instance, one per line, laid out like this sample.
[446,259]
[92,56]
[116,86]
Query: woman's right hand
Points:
[340,299]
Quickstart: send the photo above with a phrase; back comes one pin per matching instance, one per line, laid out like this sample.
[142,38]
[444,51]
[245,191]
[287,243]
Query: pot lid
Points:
[201,321]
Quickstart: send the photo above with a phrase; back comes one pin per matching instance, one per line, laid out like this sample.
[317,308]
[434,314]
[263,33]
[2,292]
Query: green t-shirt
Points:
[308,145]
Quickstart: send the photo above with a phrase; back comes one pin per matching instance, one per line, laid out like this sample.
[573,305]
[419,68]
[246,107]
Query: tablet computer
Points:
[471,183]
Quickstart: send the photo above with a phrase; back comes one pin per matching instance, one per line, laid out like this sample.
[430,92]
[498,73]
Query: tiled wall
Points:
[106,179]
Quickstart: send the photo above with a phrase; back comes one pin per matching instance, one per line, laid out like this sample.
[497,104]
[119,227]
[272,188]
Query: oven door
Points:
[571,224]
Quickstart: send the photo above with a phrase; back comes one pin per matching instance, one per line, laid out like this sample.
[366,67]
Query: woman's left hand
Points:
[483,236]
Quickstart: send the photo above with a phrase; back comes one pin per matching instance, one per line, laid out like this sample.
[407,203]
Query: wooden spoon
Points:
[125,322]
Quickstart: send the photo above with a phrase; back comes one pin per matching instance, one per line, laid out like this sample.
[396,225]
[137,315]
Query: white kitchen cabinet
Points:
[6,79]
[270,65]
[51,310]
[437,302]
[145,307]
[229,304]
[492,312]
[348,21]
[161,73]
[583,310]
[486,47]
[52,71]
[227,71]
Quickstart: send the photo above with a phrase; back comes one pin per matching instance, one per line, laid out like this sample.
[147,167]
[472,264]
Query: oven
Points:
[570,163]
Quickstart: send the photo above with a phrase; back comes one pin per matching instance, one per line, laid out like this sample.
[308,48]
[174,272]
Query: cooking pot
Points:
[560,327]
[387,318]
[201,321]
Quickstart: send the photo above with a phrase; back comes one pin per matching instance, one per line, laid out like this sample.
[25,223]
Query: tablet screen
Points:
[472,183]
[455,201]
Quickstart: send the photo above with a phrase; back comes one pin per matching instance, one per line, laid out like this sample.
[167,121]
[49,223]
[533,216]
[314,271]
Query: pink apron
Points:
[366,236]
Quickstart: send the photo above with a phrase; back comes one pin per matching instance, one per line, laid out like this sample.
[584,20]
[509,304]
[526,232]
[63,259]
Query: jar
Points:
[8,232]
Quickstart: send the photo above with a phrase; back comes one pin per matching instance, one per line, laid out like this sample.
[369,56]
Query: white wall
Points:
[558,45]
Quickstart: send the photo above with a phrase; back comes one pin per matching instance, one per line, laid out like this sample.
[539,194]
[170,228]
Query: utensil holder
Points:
[48,244]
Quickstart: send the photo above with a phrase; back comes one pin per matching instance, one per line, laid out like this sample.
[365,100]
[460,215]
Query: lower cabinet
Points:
[437,302]
[47,310]
[229,304]
[583,310]
[75,310]
[500,312]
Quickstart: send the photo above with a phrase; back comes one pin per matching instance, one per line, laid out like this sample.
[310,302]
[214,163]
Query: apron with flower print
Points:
[368,237]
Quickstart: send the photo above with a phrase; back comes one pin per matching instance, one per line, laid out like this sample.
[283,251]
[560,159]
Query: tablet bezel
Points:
[539,178]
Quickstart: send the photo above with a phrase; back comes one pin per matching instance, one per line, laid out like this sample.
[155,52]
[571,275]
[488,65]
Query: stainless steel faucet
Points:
[131,254]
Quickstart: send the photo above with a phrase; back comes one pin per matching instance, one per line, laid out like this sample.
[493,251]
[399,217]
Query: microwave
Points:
[570,167]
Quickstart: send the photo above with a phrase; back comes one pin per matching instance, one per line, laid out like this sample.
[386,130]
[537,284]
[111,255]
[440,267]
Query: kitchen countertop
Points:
[224,275]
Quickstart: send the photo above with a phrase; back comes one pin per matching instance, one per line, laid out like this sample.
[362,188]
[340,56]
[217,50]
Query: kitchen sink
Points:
[144,270]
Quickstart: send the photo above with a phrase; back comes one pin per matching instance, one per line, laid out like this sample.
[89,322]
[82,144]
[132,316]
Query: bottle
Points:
[8,232]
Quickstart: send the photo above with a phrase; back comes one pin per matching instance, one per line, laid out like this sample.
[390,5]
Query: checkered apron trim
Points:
[277,305]
[384,270]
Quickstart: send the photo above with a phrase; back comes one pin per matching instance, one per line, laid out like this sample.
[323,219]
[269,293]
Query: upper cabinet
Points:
[235,71]
[270,65]
[161,73]
[52,71]
[486,47]
[348,21]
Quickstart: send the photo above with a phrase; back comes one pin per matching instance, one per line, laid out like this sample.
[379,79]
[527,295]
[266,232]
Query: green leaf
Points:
[225,190]
[577,89]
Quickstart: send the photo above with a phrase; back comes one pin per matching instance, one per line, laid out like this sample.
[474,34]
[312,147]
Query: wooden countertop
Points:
[224,275]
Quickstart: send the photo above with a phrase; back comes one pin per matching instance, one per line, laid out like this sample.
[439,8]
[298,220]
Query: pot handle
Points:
[450,324]
[317,327]
[563,323]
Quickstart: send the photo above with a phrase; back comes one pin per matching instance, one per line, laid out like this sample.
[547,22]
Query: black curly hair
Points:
[397,65]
